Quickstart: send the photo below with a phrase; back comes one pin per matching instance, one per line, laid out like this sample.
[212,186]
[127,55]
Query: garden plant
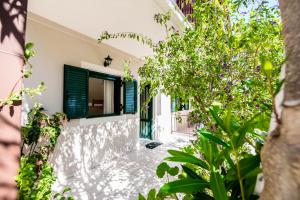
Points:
[228,63]
[39,136]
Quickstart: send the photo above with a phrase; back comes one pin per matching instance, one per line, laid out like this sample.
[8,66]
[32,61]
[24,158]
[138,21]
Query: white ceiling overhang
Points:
[91,17]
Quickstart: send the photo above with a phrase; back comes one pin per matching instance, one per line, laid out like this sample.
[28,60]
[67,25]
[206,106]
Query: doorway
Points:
[146,114]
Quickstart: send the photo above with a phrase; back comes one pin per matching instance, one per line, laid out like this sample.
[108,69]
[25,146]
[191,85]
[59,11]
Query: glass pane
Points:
[101,97]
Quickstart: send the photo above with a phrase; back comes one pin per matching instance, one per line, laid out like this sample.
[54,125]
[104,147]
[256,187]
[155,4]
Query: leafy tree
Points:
[219,58]
[228,62]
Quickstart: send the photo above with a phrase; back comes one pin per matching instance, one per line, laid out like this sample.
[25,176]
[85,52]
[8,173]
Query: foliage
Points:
[219,58]
[35,179]
[127,73]
[224,164]
[228,64]
[15,97]
[64,195]
[39,136]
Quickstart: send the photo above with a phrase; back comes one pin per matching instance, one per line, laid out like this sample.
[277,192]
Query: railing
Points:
[186,8]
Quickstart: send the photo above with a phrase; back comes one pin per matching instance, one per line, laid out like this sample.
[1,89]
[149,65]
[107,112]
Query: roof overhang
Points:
[92,17]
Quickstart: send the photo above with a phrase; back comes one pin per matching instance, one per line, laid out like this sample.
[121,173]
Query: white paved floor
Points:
[124,177]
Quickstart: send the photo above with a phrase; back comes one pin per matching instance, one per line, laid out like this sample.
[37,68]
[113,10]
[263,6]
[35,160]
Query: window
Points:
[90,94]
[101,96]
[178,104]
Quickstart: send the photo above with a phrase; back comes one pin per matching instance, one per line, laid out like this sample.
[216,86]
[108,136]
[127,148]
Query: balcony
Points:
[186,8]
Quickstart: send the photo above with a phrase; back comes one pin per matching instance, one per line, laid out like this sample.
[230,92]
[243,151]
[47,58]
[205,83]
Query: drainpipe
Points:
[13,15]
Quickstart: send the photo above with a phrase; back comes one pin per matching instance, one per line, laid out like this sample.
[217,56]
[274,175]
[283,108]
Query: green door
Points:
[146,114]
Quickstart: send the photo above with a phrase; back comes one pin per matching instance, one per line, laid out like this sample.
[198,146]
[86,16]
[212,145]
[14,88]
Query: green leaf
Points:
[254,172]
[161,169]
[191,174]
[56,195]
[141,197]
[179,156]
[173,171]
[187,186]
[249,187]
[151,194]
[218,120]
[67,190]
[213,138]
[217,186]
[29,45]
[248,164]
[278,87]
[268,68]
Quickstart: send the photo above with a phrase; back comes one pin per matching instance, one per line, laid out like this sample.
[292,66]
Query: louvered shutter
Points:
[130,97]
[75,92]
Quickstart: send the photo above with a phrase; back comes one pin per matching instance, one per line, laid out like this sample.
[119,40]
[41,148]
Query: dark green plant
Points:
[64,195]
[39,136]
[223,164]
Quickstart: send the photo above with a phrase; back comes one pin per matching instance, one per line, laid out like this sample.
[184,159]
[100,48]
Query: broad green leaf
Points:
[141,197]
[191,174]
[187,186]
[217,186]
[248,164]
[188,159]
[173,171]
[151,194]
[228,121]
[204,146]
[177,153]
[249,186]
[161,169]
[214,138]
[254,172]
[218,120]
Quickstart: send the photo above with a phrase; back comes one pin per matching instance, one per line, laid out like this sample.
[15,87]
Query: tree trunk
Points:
[12,38]
[281,153]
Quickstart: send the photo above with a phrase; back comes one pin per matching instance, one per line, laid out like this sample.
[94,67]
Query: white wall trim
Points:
[99,120]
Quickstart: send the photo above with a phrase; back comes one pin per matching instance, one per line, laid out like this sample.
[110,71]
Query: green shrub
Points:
[36,175]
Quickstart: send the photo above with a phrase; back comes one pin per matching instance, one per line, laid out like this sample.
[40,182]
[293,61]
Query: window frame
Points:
[117,93]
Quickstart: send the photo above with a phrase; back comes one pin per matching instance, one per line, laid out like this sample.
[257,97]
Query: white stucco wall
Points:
[88,143]
[162,118]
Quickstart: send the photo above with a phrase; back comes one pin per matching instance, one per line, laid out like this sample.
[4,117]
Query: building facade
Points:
[106,118]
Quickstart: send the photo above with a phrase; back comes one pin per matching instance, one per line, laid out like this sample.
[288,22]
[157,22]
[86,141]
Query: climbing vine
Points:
[39,137]
[15,97]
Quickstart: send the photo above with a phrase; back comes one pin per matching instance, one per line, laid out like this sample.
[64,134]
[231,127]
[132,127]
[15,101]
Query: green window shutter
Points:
[75,92]
[130,97]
